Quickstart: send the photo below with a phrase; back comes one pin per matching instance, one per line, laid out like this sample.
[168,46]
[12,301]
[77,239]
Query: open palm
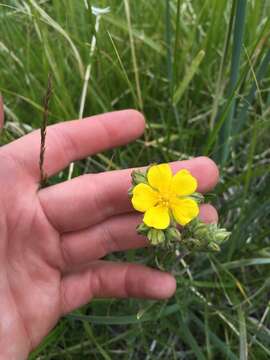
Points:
[51,240]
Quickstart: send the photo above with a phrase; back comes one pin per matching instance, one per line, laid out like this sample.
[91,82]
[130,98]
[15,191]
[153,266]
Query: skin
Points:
[52,240]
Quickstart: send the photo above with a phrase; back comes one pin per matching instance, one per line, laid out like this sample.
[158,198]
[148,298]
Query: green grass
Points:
[202,80]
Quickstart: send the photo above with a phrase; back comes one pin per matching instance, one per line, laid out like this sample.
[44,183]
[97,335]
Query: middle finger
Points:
[90,199]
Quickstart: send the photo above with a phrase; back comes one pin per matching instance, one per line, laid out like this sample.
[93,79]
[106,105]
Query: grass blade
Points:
[117,22]
[168,42]
[226,130]
[188,338]
[126,319]
[262,70]
[228,354]
[133,55]
[221,73]
[243,345]
[188,77]
[61,31]
[176,42]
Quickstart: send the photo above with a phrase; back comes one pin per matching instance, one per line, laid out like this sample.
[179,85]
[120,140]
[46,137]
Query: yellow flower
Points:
[166,196]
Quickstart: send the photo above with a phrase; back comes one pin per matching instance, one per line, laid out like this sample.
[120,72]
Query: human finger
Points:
[92,198]
[117,233]
[104,279]
[72,140]
[208,214]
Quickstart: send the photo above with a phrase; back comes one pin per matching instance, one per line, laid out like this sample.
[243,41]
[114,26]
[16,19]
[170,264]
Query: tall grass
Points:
[200,72]
[238,34]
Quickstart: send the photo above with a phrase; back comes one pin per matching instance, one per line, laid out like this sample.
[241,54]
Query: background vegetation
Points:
[199,70]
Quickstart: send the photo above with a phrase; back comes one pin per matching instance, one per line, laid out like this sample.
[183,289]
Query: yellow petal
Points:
[184,210]
[159,177]
[144,197]
[183,183]
[157,217]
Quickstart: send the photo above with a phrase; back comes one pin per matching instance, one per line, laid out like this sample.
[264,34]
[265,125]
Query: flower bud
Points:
[130,191]
[222,235]
[199,198]
[173,234]
[156,236]
[213,246]
[201,233]
[142,229]
[138,177]
[207,236]
[192,243]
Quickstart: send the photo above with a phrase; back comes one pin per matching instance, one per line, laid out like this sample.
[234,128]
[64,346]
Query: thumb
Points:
[1,112]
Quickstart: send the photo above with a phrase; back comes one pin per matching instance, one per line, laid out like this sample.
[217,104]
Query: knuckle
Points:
[67,146]
[104,208]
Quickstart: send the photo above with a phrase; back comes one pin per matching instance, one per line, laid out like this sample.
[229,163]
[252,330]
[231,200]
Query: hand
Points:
[51,240]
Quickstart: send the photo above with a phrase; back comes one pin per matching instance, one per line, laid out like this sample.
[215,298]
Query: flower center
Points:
[164,200]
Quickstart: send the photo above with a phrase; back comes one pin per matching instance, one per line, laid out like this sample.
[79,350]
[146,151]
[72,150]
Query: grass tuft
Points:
[200,72]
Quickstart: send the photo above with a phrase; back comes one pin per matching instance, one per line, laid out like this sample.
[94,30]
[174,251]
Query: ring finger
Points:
[115,234]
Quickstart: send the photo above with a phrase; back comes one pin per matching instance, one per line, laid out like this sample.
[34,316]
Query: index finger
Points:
[73,140]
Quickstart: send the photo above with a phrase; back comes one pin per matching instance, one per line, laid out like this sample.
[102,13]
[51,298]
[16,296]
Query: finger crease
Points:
[97,202]
[64,303]
[66,256]
[95,283]
[109,243]
[126,286]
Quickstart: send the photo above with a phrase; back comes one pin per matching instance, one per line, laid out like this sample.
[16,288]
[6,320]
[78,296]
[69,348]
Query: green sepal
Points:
[143,229]
[210,236]
[213,246]
[138,177]
[198,197]
[172,234]
[130,191]
[156,236]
